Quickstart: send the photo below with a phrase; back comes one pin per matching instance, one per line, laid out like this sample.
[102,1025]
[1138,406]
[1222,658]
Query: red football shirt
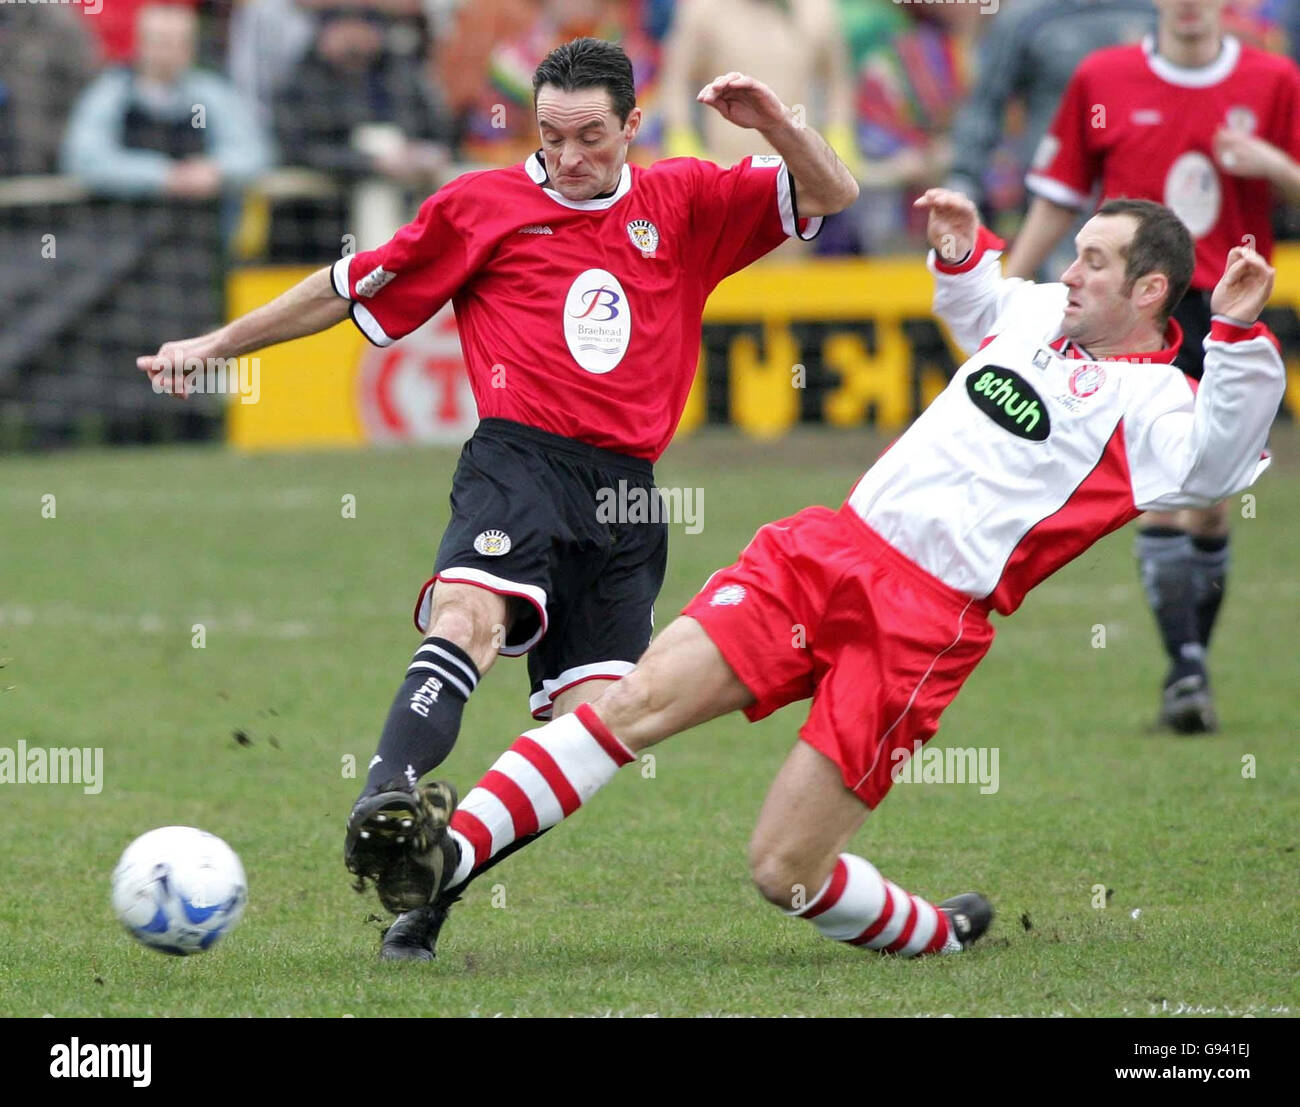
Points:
[1144,128]
[581,318]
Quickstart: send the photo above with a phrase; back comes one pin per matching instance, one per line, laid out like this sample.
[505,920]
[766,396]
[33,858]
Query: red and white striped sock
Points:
[858,906]
[542,779]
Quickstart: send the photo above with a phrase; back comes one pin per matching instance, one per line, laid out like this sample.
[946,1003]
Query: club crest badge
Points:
[492,543]
[1087,379]
[644,236]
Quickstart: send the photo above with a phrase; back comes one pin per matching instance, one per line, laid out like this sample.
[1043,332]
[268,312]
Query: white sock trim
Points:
[466,865]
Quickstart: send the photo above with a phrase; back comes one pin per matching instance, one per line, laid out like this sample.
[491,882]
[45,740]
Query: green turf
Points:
[642,905]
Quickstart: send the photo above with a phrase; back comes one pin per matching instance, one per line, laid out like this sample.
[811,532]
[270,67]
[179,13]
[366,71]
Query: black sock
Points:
[1165,557]
[424,720]
[1210,576]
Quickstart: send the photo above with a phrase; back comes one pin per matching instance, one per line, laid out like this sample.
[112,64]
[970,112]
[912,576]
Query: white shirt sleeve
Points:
[972,296]
[1192,449]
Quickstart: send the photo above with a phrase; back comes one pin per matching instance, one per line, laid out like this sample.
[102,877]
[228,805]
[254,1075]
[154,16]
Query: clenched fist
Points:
[1245,286]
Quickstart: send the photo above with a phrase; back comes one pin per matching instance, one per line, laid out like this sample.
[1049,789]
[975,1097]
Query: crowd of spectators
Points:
[407,90]
[181,134]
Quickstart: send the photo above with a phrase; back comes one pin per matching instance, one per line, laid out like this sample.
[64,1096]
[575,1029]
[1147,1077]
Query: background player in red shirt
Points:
[579,285]
[1211,128]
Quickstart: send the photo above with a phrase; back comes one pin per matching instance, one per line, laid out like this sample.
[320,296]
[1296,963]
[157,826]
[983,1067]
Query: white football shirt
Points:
[1035,450]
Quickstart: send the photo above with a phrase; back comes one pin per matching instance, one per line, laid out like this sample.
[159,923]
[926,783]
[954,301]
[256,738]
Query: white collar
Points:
[537,171]
[1200,76]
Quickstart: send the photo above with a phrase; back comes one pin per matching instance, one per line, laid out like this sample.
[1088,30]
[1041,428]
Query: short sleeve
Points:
[1286,133]
[398,287]
[740,214]
[1064,167]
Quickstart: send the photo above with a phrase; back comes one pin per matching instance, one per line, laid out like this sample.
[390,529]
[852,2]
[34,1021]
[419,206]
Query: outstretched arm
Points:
[1211,447]
[823,182]
[309,306]
[969,291]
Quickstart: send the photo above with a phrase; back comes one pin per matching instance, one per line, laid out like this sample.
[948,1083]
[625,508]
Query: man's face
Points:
[1098,310]
[164,42]
[1190,19]
[583,143]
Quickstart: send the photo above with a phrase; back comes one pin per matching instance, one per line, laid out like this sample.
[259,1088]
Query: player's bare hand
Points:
[1245,155]
[1245,286]
[745,101]
[167,368]
[953,223]
[194,179]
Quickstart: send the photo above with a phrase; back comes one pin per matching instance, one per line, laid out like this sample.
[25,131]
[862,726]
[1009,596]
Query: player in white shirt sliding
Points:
[1067,420]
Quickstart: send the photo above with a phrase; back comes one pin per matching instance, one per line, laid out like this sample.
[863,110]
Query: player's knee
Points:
[630,701]
[1212,522]
[777,877]
[470,627]
[456,623]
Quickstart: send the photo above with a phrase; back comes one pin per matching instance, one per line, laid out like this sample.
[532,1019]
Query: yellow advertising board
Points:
[839,342]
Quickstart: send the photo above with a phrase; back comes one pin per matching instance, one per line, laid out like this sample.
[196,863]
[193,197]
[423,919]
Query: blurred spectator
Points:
[47,56]
[116,26]
[356,106]
[1267,24]
[795,46]
[464,53]
[162,144]
[268,38]
[353,79]
[163,128]
[911,71]
[493,97]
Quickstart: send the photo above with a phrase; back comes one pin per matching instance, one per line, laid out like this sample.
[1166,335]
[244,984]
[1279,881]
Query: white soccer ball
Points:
[178,889]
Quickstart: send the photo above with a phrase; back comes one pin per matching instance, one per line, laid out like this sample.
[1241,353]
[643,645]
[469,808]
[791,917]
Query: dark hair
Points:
[1161,244]
[589,63]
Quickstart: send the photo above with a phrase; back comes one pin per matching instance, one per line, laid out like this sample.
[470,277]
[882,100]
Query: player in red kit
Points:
[579,284]
[1211,128]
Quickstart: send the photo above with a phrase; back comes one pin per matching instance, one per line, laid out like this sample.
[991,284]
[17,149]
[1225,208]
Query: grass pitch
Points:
[640,904]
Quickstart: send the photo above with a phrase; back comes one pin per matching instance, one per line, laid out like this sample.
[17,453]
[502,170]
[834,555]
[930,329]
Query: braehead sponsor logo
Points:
[1010,401]
[597,321]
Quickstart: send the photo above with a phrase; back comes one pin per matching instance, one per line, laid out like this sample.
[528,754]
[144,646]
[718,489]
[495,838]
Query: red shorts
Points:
[820,605]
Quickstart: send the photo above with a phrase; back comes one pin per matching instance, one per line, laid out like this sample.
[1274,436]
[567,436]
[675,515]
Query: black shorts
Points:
[1193,315]
[528,520]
